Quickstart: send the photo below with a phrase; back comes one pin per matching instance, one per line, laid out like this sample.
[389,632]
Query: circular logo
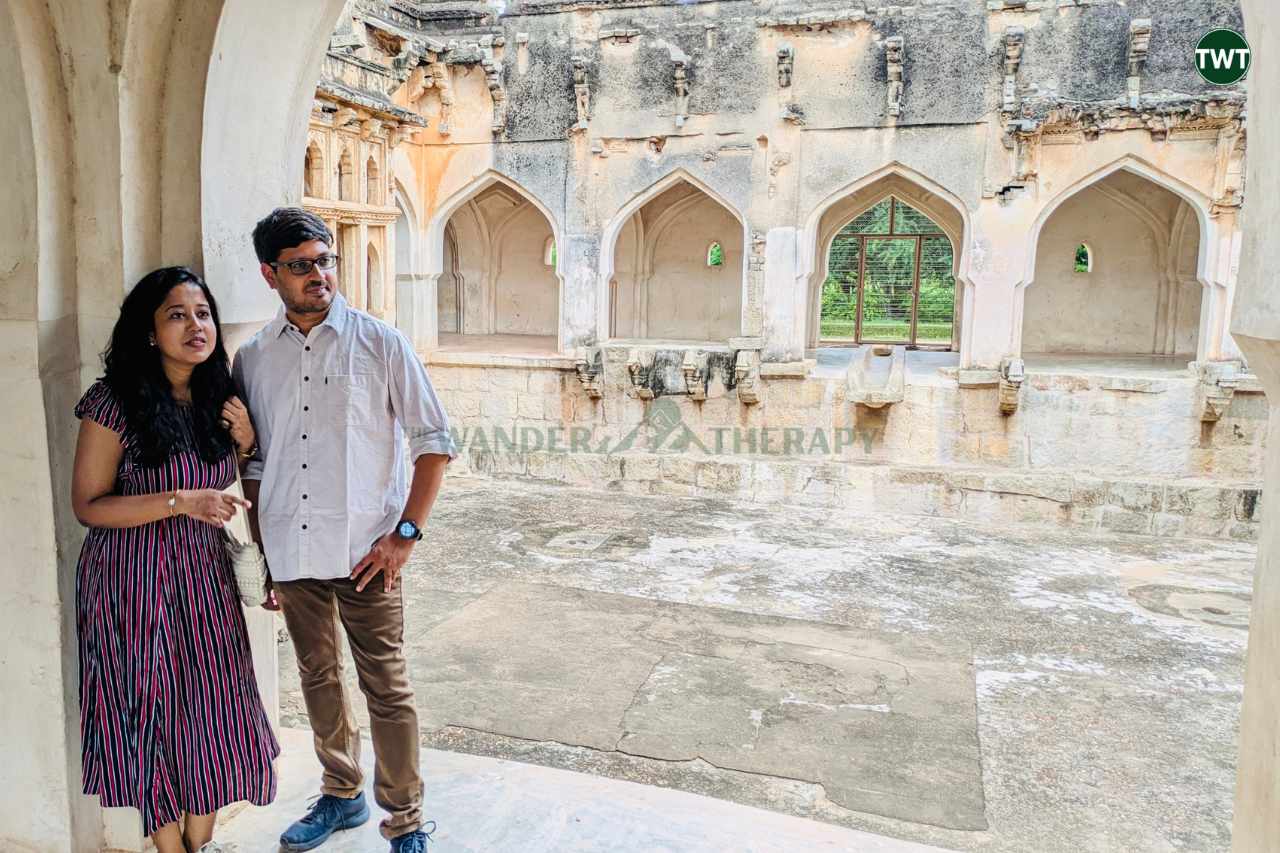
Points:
[1222,57]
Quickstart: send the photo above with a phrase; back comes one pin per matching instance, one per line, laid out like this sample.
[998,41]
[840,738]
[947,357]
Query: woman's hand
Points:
[209,505]
[235,417]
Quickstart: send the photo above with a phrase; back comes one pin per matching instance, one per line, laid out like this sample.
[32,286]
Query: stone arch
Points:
[1150,239]
[373,276]
[346,175]
[373,182]
[840,207]
[500,285]
[627,304]
[313,174]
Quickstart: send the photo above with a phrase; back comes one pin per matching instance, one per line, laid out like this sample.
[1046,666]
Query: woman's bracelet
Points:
[250,453]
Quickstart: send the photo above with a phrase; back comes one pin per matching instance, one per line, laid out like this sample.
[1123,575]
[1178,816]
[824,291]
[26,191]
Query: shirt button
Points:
[304,436]
[308,349]
[304,465]
[304,497]
[304,527]
[306,379]
[306,408]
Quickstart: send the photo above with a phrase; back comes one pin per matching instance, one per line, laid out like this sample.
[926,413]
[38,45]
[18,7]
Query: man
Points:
[330,390]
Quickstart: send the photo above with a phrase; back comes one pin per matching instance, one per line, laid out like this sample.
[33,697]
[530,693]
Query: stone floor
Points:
[490,805]
[937,682]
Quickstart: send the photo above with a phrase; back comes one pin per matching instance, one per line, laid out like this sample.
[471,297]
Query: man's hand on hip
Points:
[387,557]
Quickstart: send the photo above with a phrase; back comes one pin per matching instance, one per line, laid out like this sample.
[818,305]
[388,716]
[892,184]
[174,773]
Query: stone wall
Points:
[1093,451]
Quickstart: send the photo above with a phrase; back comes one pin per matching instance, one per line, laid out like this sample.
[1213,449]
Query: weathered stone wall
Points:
[1107,452]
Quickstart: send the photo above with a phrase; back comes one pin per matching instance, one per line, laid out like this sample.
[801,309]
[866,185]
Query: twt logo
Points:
[1222,57]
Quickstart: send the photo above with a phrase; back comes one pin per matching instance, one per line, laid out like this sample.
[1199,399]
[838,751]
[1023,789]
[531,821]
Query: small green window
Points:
[715,255]
[549,252]
[1084,258]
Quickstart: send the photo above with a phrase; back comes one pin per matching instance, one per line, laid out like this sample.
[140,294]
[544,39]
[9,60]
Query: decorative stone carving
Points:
[868,384]
[680,81]
[588,363]
[1219,381]
[581,92]
[746,376]
[793,113]
[694,368]
[1228,173]
[370,128]
[623,35]
[398,134]
[493,79]
[1139,42]
[639,366]
[786,59]
[343,117]
[1012,374]
[1013,41]
[893,59]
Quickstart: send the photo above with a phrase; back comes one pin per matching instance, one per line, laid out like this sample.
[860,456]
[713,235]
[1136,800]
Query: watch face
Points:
[407,530]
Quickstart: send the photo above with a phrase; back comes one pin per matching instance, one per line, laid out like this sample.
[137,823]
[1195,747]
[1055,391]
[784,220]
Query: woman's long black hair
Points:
[136,377]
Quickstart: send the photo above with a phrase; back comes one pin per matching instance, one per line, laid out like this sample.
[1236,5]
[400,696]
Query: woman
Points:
[171,721]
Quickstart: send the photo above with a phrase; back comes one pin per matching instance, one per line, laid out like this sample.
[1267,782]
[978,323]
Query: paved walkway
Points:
[970,687]
[494,806]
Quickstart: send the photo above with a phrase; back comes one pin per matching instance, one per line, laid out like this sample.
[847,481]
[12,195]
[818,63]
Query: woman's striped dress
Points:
[170,717]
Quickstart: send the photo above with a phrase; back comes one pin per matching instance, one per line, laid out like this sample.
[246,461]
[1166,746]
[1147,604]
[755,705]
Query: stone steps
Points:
[1175,508]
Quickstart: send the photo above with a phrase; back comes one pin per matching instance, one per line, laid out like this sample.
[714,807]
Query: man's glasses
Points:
[302,266]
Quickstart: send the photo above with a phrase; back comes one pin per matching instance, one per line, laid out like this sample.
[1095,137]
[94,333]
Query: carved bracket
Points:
[1013,373]
[1013,43]
[786,60]
[498,93]
[581,93]
[1139,42]
[639,366]
[680,80]
[1219,381]
[894,52]
[863,383]
[694,368]
[746,376]
[589,365]
[343,117]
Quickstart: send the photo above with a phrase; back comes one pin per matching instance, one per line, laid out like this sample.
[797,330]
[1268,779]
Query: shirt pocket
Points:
[358,399]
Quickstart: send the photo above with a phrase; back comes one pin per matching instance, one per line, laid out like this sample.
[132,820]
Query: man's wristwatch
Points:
[408,529]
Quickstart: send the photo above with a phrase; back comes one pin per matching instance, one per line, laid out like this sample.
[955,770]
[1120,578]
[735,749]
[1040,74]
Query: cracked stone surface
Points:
[1107,669]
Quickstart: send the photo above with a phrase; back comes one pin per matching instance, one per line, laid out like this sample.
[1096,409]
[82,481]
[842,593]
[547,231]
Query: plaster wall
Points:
[676,295]
[527,291]
[1117,306]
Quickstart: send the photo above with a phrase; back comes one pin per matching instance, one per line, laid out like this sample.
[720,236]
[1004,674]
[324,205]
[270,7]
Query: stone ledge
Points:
[1185,508]
[488,359]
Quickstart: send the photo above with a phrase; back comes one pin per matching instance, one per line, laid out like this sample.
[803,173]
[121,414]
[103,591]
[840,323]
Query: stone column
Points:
[1256,327]
[991,315]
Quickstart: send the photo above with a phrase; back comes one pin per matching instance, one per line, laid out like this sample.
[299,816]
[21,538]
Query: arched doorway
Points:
[495,289]
[1116,274]
[889,280]
[678,269]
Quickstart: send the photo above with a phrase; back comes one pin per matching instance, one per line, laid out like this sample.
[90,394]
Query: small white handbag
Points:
[248,565]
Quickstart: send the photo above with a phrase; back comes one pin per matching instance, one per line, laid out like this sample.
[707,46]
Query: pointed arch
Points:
[1118,329]
[463,201]
[894,180]
[346,175]
[1135,165]
[373,181]
[606,298]
[313,171]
